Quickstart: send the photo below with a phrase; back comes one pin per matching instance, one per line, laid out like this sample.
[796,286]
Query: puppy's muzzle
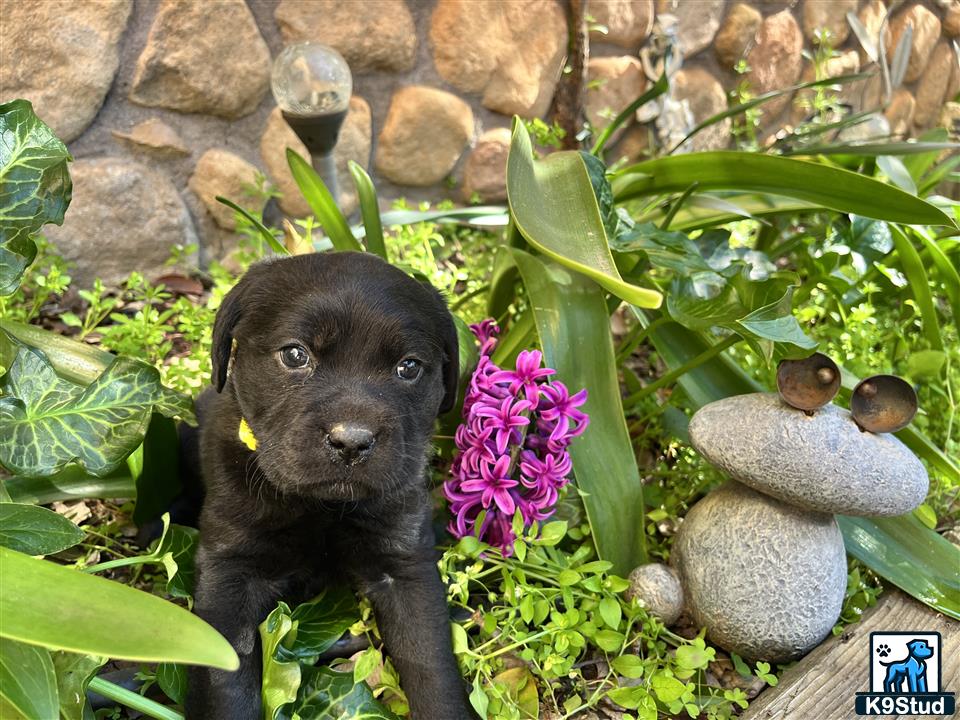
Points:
[350,443]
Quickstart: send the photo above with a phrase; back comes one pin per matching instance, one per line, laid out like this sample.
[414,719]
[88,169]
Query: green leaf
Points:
[322,204]
[665,249]
[35,187]
[74,673]
[369,210]
[158,481]
[459,639]
[71,483]
[28,684]
[694,656]
[322,621]
[365,665]
[77,362]
[554,207]
[278,247]
[610,612]
[172,679]
[760,311]
[825,186]
[281,677]
[633,698]
[630,666]
[908,554]
[325,693]
[571,314]
[47,423]
[479,699]
[666,688]
[916,273]
[552,533]
[609,640]
[178,550]
[35,530]
[46,604]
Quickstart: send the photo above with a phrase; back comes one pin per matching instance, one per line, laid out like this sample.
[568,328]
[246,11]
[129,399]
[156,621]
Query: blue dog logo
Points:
[912,670]
[906,676]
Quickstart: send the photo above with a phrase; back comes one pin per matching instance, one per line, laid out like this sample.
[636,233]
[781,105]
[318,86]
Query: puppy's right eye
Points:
[294,356]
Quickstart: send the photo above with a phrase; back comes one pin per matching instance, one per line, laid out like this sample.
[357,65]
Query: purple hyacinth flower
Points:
[512,445]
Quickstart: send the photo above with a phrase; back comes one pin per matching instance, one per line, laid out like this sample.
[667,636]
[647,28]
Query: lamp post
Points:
[312,84]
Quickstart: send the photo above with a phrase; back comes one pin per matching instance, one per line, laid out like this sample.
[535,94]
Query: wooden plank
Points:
[822,686]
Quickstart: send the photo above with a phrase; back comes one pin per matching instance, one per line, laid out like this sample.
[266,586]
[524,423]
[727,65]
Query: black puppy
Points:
[341,365]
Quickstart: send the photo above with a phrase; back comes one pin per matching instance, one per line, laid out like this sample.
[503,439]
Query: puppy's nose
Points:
[350,440]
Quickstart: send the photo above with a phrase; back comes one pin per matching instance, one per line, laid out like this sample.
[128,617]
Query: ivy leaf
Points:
[36,530]
[172,679]
[320,623]
[663,248]
[35,187]
[177,553]
[47,422]
[74,673]
[281,678]
[325,693]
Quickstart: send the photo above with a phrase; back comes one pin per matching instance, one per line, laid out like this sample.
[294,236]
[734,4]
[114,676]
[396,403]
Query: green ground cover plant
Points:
[688,276]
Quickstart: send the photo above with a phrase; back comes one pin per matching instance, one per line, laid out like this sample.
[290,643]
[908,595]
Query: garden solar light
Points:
[312,84]
[883,404]
[810,383]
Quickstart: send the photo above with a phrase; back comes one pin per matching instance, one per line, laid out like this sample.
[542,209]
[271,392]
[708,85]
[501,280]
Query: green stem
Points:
[641,333]
[463,299]
[673,375]
[133,700]
[678,203]
[120,562]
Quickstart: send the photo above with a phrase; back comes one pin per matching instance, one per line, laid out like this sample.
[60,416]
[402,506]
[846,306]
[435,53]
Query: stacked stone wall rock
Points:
[175,92]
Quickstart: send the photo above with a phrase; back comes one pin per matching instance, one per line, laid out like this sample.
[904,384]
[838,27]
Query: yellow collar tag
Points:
[246,435]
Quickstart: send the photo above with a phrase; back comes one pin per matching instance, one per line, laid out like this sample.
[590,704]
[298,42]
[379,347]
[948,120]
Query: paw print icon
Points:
[883,650]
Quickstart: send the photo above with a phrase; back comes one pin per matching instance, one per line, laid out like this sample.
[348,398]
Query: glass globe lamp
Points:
[312,85]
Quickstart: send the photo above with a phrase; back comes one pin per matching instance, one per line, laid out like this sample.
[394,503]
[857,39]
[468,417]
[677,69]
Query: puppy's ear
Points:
[227,318]
[451,363]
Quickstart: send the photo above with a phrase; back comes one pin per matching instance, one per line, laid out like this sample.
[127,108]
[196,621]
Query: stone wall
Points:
[165,103]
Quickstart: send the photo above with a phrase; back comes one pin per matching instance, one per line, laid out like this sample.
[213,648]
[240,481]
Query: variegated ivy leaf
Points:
[47,423]
[326,693]
[35,187]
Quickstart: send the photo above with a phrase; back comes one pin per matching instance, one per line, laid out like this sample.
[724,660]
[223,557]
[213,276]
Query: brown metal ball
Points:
[810,383]
[883,404]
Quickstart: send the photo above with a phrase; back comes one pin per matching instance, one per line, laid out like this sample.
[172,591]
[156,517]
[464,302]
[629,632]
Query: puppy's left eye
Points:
[294,356]
[409,369]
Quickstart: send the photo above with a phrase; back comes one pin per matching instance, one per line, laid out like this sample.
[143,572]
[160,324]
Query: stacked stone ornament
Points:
[761,559]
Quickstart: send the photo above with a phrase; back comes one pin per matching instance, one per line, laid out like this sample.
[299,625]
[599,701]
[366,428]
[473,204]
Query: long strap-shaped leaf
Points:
[322,203]
[45,604]
[908,554]
[828,187]
[574,328]
[554,207]
[369,209]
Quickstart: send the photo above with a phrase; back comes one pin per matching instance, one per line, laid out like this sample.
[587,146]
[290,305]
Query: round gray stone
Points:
[658,586]
[819,462]
[765,578]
